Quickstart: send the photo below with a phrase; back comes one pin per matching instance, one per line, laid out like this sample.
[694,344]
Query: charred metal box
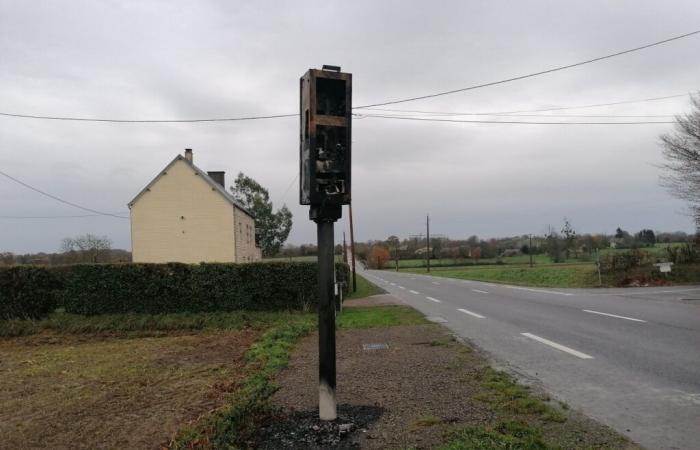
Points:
[325,137]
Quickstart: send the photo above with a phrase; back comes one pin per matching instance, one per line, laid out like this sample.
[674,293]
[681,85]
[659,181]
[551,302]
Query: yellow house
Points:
[186,215]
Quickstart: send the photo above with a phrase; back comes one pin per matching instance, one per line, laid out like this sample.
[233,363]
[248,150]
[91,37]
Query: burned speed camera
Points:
[325,133]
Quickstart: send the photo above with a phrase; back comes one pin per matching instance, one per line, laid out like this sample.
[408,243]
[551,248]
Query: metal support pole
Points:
[529,250]
[326,323]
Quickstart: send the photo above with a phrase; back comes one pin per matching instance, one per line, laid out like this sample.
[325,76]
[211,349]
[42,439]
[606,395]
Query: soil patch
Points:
[127,393]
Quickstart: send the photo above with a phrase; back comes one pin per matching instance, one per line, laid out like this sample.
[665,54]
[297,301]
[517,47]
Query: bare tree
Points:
[681,149]
[87,247]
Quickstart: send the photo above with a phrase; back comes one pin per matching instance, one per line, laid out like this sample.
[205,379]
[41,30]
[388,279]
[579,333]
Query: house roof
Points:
[215,186]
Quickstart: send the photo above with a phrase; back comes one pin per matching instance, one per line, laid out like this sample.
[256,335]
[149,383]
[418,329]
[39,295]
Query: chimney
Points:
[188,155]
[219,177]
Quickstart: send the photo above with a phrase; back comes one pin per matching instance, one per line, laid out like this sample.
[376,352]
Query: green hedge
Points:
[92,289]
[27,292]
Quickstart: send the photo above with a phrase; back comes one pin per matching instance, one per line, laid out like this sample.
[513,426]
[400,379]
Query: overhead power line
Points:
[554,108]
[89,119]
[534,74]
[58,199]
[391,102]
[510,122]
[52,217]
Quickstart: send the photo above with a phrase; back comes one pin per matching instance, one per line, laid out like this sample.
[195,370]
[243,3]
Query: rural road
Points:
[629,358]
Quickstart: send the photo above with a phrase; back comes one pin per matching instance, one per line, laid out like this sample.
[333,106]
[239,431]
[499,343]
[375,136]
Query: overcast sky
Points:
[204,59]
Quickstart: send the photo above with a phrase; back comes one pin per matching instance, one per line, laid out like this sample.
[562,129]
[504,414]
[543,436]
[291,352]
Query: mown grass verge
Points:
[521,420]
[379,316]
[365,288]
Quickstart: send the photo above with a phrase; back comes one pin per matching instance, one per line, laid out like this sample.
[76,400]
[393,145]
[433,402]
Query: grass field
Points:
[559,275]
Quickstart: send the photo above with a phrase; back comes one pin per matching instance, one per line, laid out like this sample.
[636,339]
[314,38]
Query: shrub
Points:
[26,292]
[174,287]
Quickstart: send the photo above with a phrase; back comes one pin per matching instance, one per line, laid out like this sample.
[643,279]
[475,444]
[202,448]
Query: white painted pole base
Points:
[326,402]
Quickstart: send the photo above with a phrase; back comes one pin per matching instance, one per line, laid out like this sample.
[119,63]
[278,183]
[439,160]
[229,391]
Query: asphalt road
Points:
[627,357]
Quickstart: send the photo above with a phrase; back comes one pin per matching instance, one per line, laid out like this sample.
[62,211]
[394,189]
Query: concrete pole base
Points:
[326,402]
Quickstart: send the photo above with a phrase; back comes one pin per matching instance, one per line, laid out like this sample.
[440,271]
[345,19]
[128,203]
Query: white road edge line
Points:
[435,282]
[393,284]
[480,292]
[563,348]
[614,315]
[401,287]
[568,294]
[433,300]
[465,311]
[414,292]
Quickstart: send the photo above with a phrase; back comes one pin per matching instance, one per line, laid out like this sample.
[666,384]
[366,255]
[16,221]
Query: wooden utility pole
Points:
[427,233]
[352,250]
[345,250]
[529,250]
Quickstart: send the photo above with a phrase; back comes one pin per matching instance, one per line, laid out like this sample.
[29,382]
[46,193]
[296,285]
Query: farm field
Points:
[79,392]
[559,275]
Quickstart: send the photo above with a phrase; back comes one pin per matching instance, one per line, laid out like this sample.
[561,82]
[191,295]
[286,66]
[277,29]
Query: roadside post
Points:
[325,111]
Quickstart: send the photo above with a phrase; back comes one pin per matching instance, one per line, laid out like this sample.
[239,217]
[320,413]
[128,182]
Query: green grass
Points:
[521,417]
[235,424]
[135,324]
[379,316]
[559,275]
[505,435]
[364,289]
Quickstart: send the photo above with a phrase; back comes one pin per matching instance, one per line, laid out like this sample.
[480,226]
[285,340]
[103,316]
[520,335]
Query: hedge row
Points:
[159,288]
[27,292]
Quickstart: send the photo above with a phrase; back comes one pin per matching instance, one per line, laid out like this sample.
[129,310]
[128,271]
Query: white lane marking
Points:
[658,292]
[401,287]
[413,278]
[480,292]
[563,348]
[539,290]
[466,311]
[435,282]
[433,299]
[414,292]
[614,315]
[393,284]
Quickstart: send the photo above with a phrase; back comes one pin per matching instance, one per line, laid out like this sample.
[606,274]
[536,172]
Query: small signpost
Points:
[664,267]
[325,110]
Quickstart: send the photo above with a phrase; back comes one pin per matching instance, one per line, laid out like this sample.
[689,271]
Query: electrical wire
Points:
[51,217]
[88,119]
[58,199]
[512,122]
[391,102]
[555,108]
[530,75]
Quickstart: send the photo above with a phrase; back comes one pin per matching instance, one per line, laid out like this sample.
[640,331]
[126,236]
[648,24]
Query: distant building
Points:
[186,215]
[511,252]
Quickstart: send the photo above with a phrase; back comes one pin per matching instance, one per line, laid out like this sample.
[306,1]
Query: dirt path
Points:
[413,394]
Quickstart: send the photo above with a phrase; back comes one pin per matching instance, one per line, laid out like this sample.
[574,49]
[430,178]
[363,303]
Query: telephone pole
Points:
[352,250]
[529,249]
[427,233]
[345,250]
